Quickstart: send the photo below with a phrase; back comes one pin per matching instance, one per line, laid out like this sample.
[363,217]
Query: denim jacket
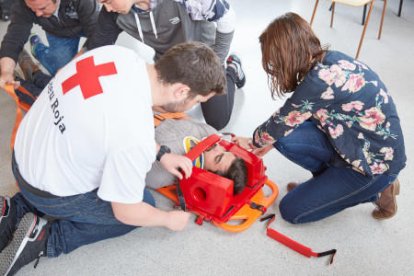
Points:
[351,105]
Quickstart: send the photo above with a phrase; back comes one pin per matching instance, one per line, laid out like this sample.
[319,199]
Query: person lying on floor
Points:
[180,136]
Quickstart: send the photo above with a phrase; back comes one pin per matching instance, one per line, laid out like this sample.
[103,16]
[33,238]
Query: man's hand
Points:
[173,163]
[7,66]
[177,220]
[143,214]
[7,79]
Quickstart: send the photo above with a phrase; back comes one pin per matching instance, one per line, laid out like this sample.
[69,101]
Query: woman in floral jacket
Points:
[340,123]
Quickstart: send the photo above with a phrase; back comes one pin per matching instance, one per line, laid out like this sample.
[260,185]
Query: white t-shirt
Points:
[91,127]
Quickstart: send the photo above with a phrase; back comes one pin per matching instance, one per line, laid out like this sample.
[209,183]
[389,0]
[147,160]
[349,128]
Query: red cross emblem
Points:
[87,77]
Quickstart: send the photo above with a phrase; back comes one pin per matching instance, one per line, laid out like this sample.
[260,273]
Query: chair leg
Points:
[364,14]
[314,11]
[400,8]
[332,13]
[364,30]
[382,18]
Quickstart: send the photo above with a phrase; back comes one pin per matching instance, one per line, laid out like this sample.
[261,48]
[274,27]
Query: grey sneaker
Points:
[28,244]
[234,63]
[8,220]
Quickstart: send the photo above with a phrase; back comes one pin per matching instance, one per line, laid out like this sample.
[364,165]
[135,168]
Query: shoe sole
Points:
[230,60]
[379,216]
[4,207]
[21,237]
[5,212]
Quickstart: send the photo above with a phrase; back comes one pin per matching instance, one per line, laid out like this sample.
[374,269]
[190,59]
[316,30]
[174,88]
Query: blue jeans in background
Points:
[334,186]
[61,50]
[79,220]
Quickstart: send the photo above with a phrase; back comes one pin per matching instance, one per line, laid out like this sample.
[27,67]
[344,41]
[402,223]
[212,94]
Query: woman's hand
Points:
[247,144]
[262,151]
[243,142]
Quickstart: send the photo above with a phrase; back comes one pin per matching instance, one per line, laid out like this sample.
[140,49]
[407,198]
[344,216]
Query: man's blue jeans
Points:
[61,50]
[334,186]
[80,219]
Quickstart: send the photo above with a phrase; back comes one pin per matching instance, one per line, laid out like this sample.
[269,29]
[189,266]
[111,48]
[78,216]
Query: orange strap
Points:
[158,118]
[20,107]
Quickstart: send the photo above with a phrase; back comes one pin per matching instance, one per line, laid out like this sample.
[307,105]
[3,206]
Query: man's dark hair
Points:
[238,173]
[195,65]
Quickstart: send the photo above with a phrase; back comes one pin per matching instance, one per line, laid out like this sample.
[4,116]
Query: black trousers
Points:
[217,111]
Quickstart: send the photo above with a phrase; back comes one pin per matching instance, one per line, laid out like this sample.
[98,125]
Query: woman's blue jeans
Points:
[61,50]
[79,220]
[334,186]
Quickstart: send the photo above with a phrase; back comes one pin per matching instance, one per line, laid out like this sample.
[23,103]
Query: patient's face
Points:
[217,159]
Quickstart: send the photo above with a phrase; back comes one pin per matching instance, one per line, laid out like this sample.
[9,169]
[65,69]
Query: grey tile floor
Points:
[365,246]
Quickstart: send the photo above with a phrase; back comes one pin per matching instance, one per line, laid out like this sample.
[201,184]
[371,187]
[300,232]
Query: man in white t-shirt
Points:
[83,150]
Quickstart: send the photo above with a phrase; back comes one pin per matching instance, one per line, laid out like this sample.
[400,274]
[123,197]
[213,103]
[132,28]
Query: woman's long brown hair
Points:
[289,50]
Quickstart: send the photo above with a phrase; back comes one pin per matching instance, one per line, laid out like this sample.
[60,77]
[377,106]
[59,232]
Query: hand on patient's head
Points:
[177,165]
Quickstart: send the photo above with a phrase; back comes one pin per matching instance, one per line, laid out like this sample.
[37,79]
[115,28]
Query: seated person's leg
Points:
[68,235]
[217,110]
[61,50]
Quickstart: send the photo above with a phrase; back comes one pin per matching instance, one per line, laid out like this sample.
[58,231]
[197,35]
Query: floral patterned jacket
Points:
[351,105]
